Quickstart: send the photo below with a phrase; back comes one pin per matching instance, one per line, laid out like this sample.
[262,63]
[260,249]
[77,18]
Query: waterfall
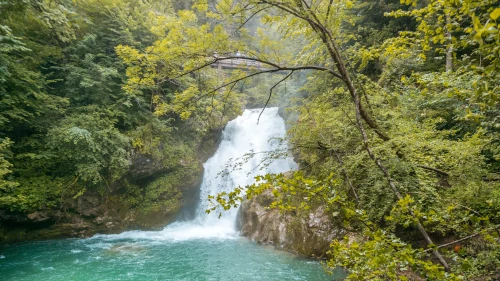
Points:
[242,154]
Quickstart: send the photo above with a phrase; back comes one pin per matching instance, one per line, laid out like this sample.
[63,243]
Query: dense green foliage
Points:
[397,107]
[70,122]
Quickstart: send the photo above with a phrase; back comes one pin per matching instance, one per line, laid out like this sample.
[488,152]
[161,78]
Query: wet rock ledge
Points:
[306,234]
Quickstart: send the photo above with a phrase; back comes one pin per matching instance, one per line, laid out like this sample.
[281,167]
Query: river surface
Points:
[205,247]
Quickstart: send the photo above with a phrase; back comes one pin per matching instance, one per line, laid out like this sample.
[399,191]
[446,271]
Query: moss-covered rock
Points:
[78,219]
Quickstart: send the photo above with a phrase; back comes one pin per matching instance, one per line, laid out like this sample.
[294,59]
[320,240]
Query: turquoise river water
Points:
[105,258]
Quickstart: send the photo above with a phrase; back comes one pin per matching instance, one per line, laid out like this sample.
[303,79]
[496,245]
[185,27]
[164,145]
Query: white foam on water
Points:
[240,137]
[176,232]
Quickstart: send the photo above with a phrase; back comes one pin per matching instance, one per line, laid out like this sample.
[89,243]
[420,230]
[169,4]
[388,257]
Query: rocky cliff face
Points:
[307,234]
[82,217]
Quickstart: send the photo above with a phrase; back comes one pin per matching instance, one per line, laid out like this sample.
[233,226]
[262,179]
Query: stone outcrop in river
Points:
[307,234]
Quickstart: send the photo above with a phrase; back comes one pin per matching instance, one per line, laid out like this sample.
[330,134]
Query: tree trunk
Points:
[357,108]
[449,47]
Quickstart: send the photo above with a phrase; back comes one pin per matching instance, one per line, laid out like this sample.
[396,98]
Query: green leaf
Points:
[495,14]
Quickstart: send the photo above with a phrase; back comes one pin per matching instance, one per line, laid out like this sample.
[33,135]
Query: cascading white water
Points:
[246,145]
[241,137]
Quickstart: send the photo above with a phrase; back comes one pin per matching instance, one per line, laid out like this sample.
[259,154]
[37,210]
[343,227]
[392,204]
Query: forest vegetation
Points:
[394,110]
[69,122]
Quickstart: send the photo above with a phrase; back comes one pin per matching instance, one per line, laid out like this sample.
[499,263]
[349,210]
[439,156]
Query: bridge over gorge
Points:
[240,63]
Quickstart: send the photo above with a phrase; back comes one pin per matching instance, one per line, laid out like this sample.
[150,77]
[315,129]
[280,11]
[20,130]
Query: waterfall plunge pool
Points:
[116,258]
[204,248]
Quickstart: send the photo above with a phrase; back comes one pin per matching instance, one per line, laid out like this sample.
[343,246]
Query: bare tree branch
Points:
[271,93]
[464,239]
[433,169]
[248,19]
[276,66]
